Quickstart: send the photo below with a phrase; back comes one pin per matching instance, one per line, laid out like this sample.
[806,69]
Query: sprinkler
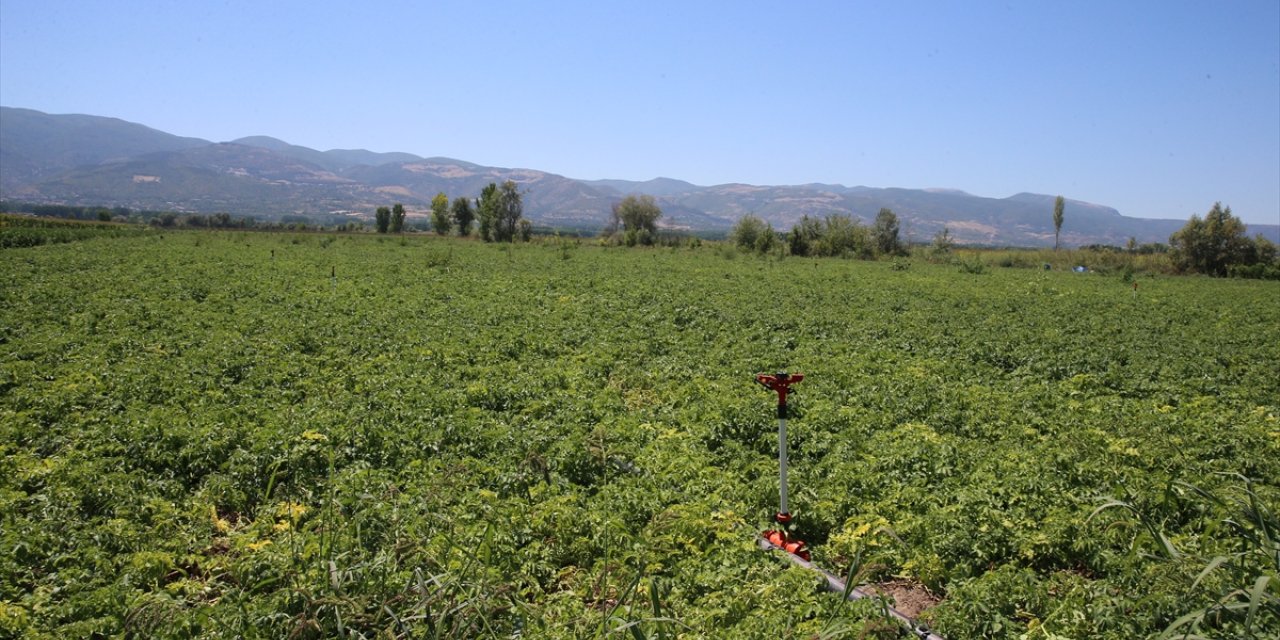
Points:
[780,383]
[797,551]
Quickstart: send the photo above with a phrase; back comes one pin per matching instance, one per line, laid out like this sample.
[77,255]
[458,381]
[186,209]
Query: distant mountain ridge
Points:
[333,159]
[35,145]
[92,160]
[655,187]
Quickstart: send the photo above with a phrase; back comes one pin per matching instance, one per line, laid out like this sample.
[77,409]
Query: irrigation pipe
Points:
[834,584]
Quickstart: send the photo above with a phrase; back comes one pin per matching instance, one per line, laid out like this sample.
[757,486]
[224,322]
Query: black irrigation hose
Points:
[834,584]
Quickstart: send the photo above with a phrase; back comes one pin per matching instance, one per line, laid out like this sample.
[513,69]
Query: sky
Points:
[1158,109]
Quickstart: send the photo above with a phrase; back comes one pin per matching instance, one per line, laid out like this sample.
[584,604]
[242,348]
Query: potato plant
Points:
[204,434]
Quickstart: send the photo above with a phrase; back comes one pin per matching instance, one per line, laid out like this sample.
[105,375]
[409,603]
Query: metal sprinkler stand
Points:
[798,552]
[780,383]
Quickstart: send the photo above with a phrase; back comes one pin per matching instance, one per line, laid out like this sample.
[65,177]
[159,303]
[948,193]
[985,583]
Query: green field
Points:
[204,434]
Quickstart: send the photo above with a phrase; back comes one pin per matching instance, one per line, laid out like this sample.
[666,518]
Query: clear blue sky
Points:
[1156,108]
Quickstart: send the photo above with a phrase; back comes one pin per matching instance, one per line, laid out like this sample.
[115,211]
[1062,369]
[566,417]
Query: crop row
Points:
[258,434]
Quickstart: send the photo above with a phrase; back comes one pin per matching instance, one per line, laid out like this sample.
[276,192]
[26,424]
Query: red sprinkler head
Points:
[780,382]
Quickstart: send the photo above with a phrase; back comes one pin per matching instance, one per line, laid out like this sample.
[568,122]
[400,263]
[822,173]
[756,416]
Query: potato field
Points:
[264,435]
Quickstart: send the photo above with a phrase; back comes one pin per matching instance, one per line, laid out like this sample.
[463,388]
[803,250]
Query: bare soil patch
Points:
[910,598]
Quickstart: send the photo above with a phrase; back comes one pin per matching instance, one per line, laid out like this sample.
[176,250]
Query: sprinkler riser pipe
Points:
[780,383]
[782,461]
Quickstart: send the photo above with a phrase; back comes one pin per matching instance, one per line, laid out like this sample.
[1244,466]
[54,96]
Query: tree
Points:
[487,206]
[463,215]
[804,236]
[838,235]
[1264,250]
[843,236]
[509,209]
[748,231]
[885,233]
[942,242]
[1058,205]
[440,220]
[383,218]
[1213,244]
[765,242]
[637,214]
[397,218]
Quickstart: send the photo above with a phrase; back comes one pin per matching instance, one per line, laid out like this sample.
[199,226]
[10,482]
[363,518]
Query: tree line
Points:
[175,219]
[835,235]
[499,212]
[1217,245]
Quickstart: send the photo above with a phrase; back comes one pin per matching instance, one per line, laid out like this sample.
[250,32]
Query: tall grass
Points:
[1237,591]
[1066,259]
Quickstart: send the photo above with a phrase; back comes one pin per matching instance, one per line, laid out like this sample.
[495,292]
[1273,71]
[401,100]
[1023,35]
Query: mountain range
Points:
[93,160]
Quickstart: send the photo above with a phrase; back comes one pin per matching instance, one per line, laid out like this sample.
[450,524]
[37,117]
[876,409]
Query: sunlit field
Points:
[269,435]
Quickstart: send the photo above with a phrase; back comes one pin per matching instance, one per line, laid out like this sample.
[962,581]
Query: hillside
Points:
[75,159]
[333,159]
[35,146]
[210,178]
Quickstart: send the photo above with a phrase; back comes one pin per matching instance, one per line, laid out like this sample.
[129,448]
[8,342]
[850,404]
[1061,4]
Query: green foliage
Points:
[397,218]
[487,209]
[844,237]
[382,216]
[973,265]
[24,231]
[1217,243]
[175,220]
[839,236]
[74,212]
[506,209]
[463,216]
[634,215]
[203,434]
[1264,250]
[803,239]
[441,221]
[1260,271]
[753,234]
[1059,206]
[942,244]
[885,233]
[1098,260]
[510,210]
[1235,593]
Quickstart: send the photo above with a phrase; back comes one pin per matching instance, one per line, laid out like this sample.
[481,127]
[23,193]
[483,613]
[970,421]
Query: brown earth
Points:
[908,597]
